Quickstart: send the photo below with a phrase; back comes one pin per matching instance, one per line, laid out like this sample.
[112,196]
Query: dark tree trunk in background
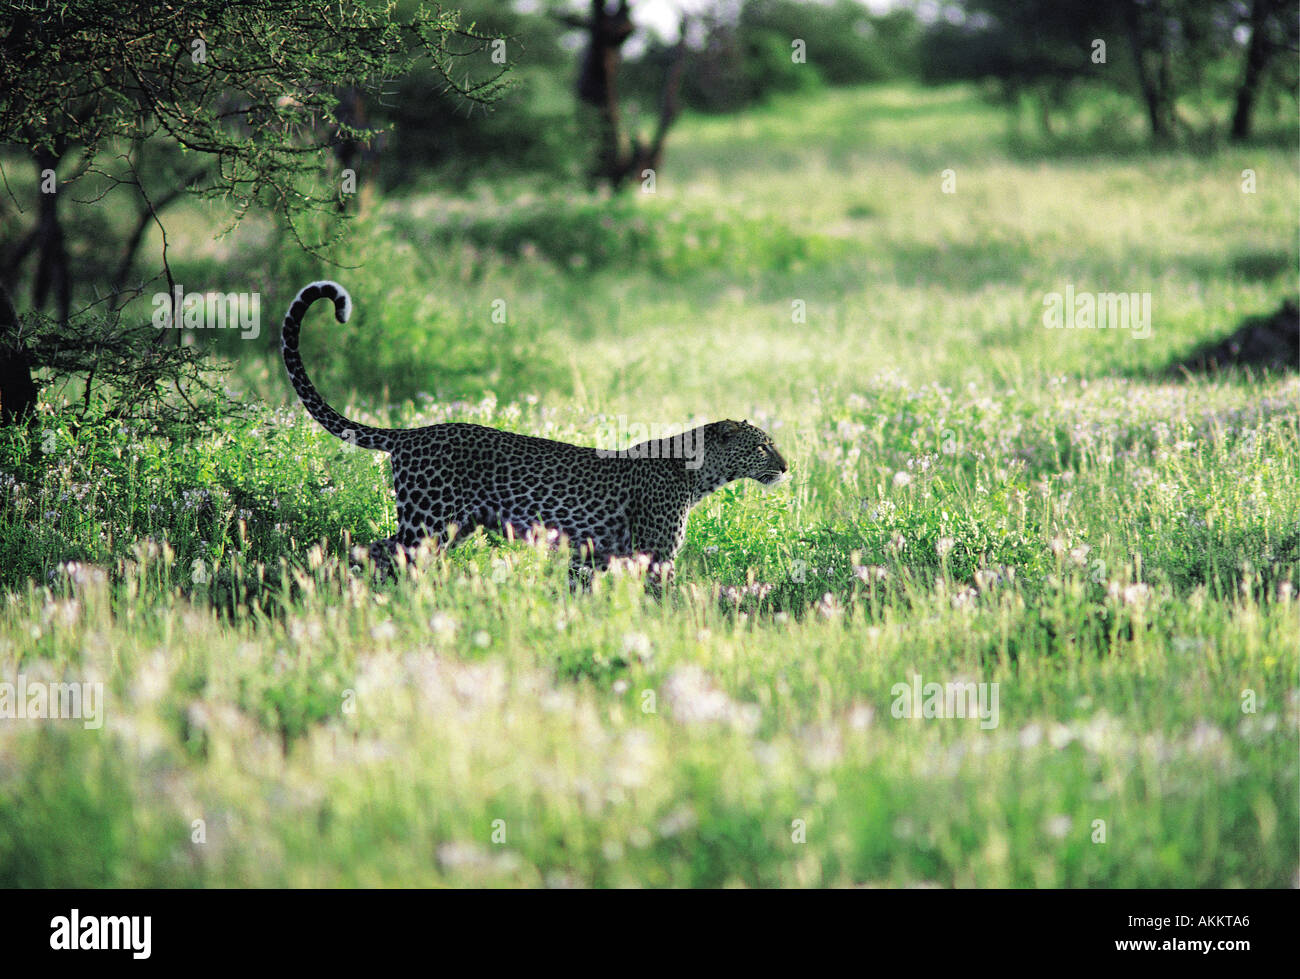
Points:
[1148,33]
[607,30]
[618,157]
[349,152]
[1258,53]
[17,389]
[52,257]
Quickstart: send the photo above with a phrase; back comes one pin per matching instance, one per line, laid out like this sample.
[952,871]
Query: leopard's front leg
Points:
[660,539]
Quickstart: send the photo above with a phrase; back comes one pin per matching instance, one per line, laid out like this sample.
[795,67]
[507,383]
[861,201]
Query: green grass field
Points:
[975,499]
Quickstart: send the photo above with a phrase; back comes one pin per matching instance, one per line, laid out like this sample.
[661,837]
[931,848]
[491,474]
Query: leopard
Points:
[452,479]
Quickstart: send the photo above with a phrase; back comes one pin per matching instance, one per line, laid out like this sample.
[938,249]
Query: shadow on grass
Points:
[1261,345]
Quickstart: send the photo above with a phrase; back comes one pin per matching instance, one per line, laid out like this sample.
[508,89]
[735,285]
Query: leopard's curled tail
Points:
[334,423]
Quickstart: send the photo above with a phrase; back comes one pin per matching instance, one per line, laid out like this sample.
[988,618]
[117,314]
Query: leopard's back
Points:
[475,476]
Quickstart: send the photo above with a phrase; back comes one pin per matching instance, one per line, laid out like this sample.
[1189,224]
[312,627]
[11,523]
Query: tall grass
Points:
[975,498]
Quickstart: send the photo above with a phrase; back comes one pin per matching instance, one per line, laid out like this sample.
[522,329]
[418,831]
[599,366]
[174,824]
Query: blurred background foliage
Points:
[1036,58]
[1196,60]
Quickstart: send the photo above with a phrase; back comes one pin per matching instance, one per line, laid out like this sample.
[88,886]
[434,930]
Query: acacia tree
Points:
[231,100]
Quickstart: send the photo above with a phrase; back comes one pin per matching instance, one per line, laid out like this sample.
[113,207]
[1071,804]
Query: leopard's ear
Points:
[730,428]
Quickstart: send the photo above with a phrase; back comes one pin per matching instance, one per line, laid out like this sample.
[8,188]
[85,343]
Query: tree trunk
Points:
[607,30]
[349,152]
[1257,57]
[618,157]
[52,262]
[17,389]
[1155,85]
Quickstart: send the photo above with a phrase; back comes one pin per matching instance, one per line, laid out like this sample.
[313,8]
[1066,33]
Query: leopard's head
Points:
[737,450]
